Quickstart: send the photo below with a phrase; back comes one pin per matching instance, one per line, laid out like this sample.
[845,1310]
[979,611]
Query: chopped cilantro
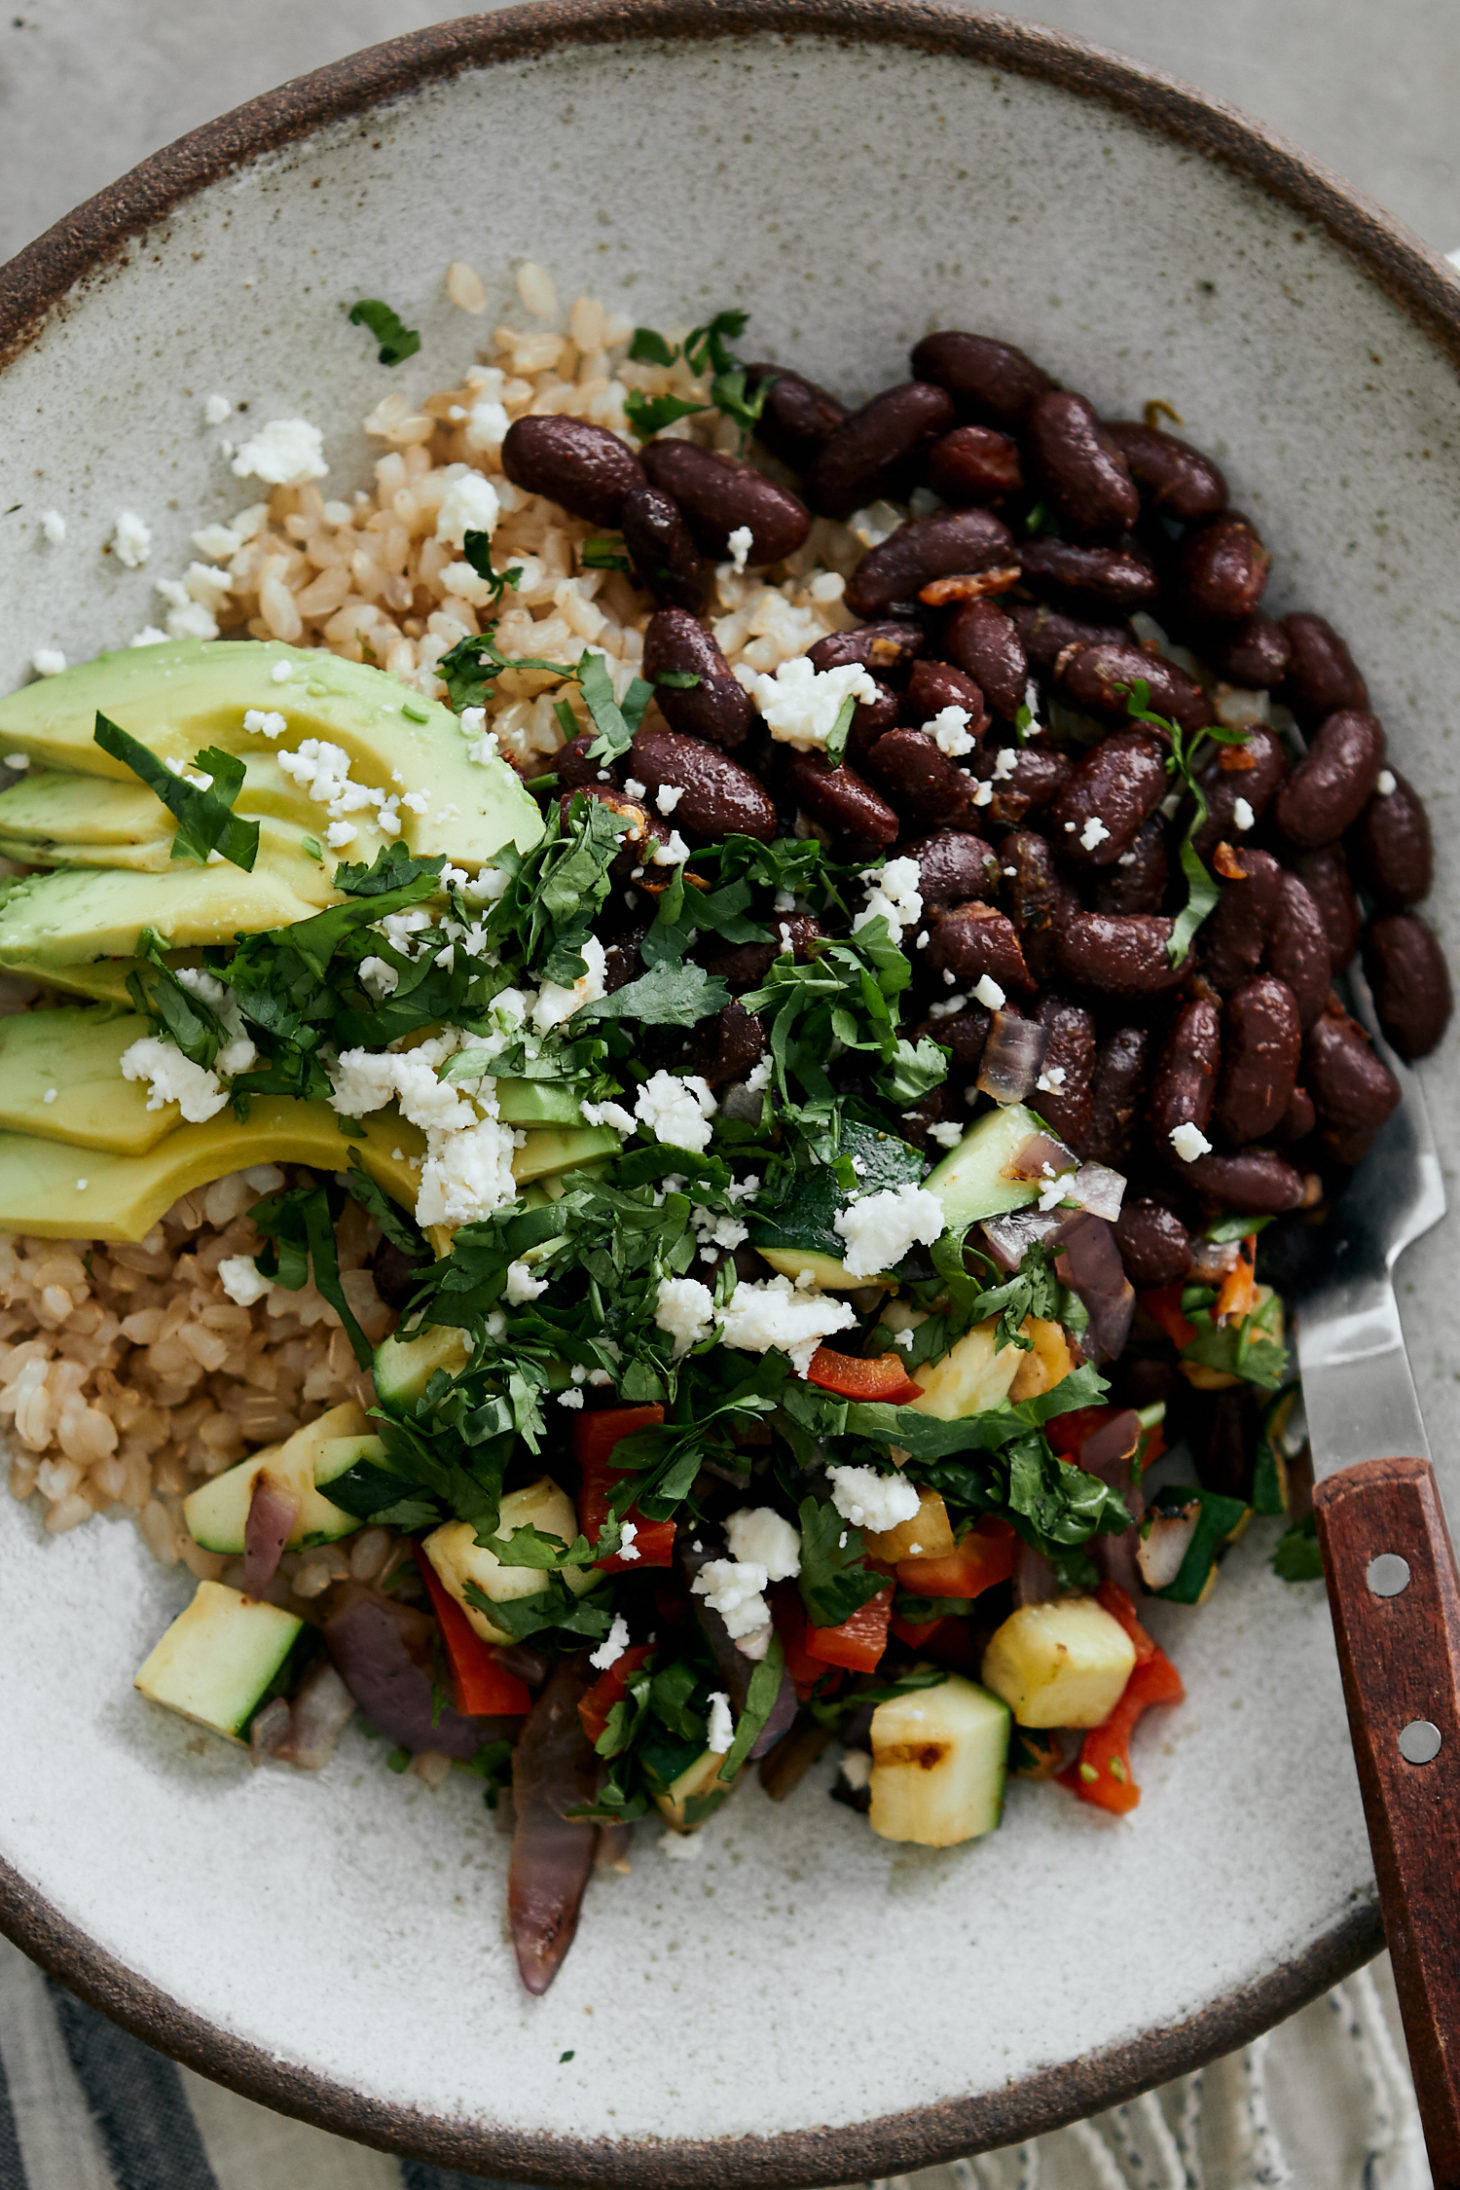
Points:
[1297,1557]
[477,548]
[397,341]
[204,812]
[1186,752]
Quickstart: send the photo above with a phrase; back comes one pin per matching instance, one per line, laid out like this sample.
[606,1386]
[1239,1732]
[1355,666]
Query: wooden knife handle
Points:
[1399,1648]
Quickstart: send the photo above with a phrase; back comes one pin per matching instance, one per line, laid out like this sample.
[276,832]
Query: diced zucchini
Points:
[973,1180]
[971,1378]
[458,1558]
[1187,1535]
[928,1535]
[221,1659]
[1047,1363]
[939,1759]
[823,1270]
[217,1513]
[695,1795]
[1065,1663]
[405,1366]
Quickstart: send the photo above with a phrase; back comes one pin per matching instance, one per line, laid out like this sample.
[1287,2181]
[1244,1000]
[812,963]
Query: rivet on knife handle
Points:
[1395,1596]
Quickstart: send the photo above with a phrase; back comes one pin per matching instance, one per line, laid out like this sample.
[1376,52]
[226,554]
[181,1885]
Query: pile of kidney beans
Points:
[1051,865]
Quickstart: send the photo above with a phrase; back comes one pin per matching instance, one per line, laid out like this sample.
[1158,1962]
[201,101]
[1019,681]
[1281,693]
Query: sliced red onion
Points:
[1089,1263]
[382,1651]
[269,1729]
[1041,1157]
[1097,1188]
[1012,1057]
[1109,1452]
[1160,1553]
[1212,1261]
[272,1511]
[1034,1581]
[615,1843]
[318,1716]
[528,1664]
[552,1856]
[783,1711]
[1010,1238]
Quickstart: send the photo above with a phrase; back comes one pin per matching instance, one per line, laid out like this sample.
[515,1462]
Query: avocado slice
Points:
[537,1102]
[74,1057]
[222,1658]
[123,1197]
[217,1512]
[51,923]
[562,1148]
[191,693]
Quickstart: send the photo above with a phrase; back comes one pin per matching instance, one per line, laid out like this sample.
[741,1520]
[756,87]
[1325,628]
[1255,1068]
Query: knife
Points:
[1393,1588]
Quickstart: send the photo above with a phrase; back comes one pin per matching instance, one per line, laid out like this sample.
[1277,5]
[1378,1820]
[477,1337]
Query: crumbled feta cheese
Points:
[470,504]
[1189,1141]
[988,993]
[467,1175]
[521,1285]
[720,1733]
[1051,1080]
[856,1769]
[288,452]
[1386,783]
[1243,817]
[613,1646]
[281,672]
[48,661]
[379,977]
[949,731]
[1006,760]
[131,539]
[634,788]
[800,703]
[608,1113]
[881,1228]
[681,1847]
[685,1310]
[149,635]
[667,797]
[173,1078]
[1094,833]
[242,1280]
[570,1398]
[870,1500]
[947,1133]
[555,1003]
[677,1108]
[766,1312]
[736,1590]
[627,1545]
[50,1094]
[673,852]
[217,409]
[763,1537]
[759,1076]
[53,525]
[740,542]
[220,543]
[893,894]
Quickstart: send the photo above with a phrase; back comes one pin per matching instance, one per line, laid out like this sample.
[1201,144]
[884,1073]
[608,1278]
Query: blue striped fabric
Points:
[136,2100]
[12,2171]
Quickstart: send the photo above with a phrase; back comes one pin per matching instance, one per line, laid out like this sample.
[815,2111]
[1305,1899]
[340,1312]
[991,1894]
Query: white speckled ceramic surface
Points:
[802,1975]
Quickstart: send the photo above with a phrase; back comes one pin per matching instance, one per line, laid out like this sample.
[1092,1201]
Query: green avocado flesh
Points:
[73,1057]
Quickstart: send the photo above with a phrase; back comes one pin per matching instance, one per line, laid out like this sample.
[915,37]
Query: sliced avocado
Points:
[222,1659]
[52,922]
[823,1270]
[974,1181]
[41,1188]
[562,1148]
[44,806]
[73,1056]
[405,1366]
[190,693]
[104,980]
[217,1512]
[538,1102]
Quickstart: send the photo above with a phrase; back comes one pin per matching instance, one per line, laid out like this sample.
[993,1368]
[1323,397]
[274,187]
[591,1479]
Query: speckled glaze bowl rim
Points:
[95,241]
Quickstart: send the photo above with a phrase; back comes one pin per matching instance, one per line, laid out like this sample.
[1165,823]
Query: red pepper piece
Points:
[481,1686]
[594,1438]
[985,1556]
[792,1626]
[860,1641]
[1102,1774]
[610,1688]
[915,1632]
[1067,1432]
[1163,1306]
[852,1376]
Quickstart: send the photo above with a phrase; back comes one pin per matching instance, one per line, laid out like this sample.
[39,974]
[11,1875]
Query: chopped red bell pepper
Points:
[1102,1773]
[610,1688]
[791,1626]
[1163,1306]
[853,1376]
[1067,1432]
[986,1555]
[594,1438]
[858,1643]
[481,1686]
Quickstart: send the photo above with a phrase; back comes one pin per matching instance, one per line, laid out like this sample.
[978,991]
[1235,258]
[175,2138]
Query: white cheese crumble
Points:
[766,1312]
[467,1175]
[881,1228]
[470,504]
[949,731]
[685,1310]
[1050,1081]
[720,1733]
[762,1537]
[740,542]
[1094,833]
[173,1078]
[681,1847]
[677,1108]
[736,1590]
[800,703]
[521,1285]
[608,1113]
[856,1769]
[627,1546]
[1006,760]
[667,797]
[988,992]
[759,1076]
[894,895]
[281,671]
[149,635]
[288,452]
[48,661]
[379,977]
[1386,783]
[217,410]
[555,1002]
[1189,1141]
[53,525]
[947,1133]
[869,1500]
[242,1280]
[613,1646]
[1243,817]
[131,539]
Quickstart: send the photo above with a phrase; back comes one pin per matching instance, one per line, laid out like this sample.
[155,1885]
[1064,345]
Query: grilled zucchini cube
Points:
[458,1558]
[1065,1663]
[939,1758]
[974,1376]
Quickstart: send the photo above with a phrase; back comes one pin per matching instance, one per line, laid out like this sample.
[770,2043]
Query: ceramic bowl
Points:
[805,2003]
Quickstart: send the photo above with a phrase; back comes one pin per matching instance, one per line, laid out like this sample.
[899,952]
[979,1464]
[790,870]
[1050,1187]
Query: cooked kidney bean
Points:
[880,449]
[1084,476]
[965,1033]
[1104,805]
[990,381]
[583,468]
[1173,477]
[1046,634]
[1154,1244]
[1233,942]
[1120,954]
[1221,569]
[1393,848]
[667,564]
[1036,778]
[981,640]
[974,464]
[720,495]
[841,800]
[720,798]
[1353,1090]
[575,771]
[1116,1090]
[717,709]
[796,417]
[1321,678]
[645,829]
[973,940]
[1254,1180]
[1099,679]
[745,965]
[1184,1084]
[1111,577]
[1036,896]
[887,649]
[953,866]
[1410,980]
[1298,1120]
[890,577]
[870,718]
[1333,782]
[936,685]
[1261,1044]
[1063,1096]
[920,779]
[1297,948]
[1250,772]
[726,1047]
[1252,654]
[1137,881]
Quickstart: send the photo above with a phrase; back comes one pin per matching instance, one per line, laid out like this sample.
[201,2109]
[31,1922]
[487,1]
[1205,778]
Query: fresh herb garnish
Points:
[204,812]
[836,740]
[704,349]
[299,1226]
[1297,1557]
[397,341]
[477,548]
[1187,751]
[602,555]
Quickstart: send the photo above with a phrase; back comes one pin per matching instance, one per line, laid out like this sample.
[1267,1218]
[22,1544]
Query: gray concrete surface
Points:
[87,87]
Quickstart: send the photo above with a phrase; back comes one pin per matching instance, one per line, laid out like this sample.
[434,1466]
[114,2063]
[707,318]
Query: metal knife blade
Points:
[1358,1389]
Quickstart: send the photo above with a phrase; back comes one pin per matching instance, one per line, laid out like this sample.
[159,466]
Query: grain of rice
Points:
[465,287]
